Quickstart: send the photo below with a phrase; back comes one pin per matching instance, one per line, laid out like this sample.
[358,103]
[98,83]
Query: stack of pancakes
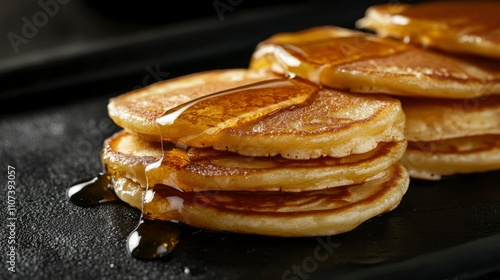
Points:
[458,133]
[252,151]
[451,99]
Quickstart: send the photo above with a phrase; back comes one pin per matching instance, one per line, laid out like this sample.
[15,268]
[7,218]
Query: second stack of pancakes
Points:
[450,98]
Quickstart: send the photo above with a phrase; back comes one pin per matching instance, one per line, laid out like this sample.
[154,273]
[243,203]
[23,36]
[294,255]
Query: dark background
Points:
[53,120]
[115,42]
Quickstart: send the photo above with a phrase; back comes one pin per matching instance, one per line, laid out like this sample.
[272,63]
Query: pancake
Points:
[139,110]
[283,214]
[439,119]
[206,169]
[289,117]
[466,27]
[334,124]
[361,62]
[432,160]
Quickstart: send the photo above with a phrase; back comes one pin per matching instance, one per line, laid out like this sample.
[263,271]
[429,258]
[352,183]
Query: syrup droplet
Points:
[153,239]
[92,192]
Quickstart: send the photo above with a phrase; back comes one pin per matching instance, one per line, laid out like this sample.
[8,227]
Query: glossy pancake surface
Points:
[206,169]
[288,117]
[362,62]
[333,123]
[469,27]
[140,110]
[285,214]
[438,119]
[433,159]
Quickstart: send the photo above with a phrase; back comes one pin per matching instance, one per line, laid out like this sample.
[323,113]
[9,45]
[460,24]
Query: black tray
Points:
[442,230]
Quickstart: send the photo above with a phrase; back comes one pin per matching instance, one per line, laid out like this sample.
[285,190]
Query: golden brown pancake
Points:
[139,110]
[439,119]
[333,124]
[433,159]
[285,214]
[362,62]
[468,27]
[127,155]
[288,117]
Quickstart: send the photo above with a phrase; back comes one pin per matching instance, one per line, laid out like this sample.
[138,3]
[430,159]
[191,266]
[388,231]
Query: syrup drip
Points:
[92,192]
[153,239]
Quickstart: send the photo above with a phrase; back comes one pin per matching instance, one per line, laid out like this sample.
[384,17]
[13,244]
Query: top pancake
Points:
[269,116]
[469,27]
[140,109]
[362,62]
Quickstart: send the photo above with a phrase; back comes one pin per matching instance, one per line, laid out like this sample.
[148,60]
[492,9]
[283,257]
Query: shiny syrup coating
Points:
[461,27]
[465,15]
[197,122]
[337,51]
[220,106]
